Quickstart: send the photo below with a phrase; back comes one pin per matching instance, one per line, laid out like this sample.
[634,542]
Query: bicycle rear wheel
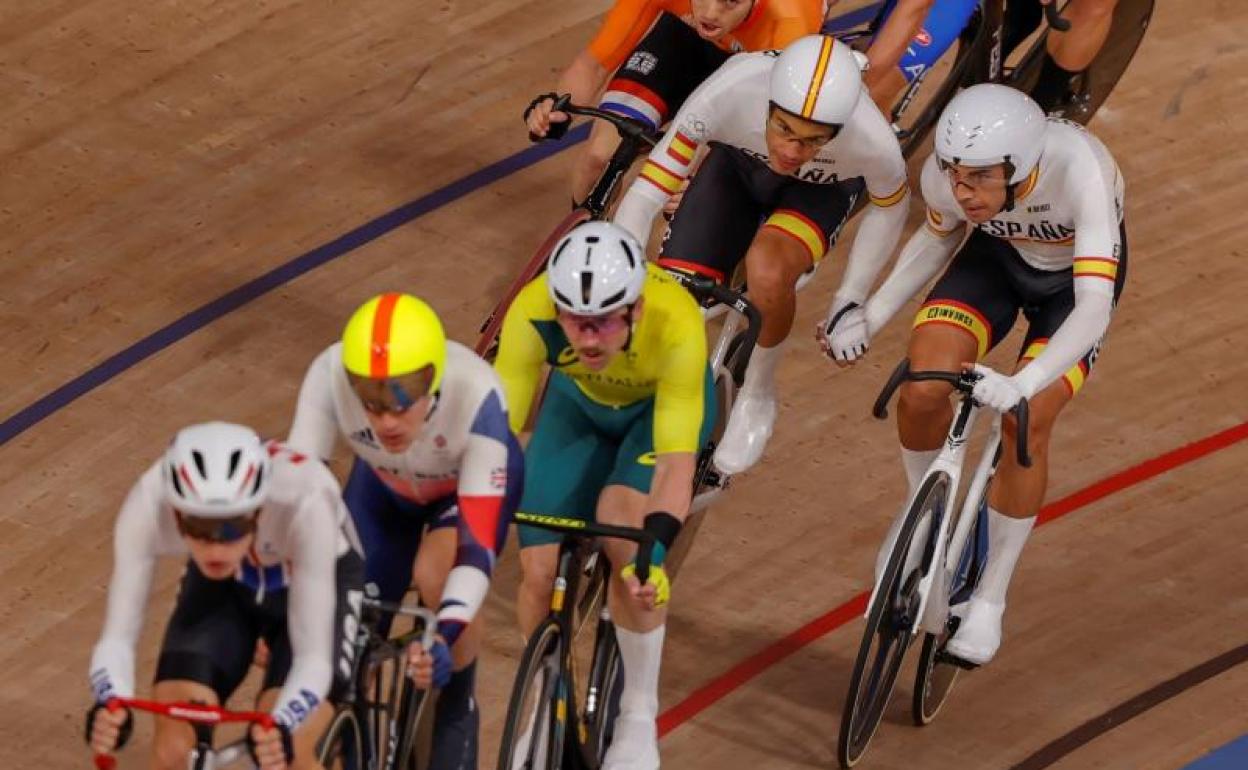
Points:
[411,713]
[342,745]
[533,710]
[890,617]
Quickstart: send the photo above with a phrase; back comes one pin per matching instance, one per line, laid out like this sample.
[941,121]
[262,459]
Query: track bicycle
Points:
[933,564]
[377,722]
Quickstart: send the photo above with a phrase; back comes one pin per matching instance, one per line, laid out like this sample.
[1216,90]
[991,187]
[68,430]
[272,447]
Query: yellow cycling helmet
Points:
[395,338]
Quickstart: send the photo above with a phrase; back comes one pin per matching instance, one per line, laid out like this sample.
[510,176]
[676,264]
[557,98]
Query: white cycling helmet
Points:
[988,124]
[216,470]
[817,78]
[596,268]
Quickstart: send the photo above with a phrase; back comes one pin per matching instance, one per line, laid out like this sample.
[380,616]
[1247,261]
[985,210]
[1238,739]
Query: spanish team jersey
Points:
[665,359]
[1066,213]
[771,24]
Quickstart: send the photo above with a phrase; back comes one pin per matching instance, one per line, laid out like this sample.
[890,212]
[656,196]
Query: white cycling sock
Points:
[1006,538]
[760,376]
[916,463]
[641,654]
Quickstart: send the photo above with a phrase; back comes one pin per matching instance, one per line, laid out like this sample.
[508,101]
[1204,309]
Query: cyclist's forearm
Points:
[921,258]
[672,487]
[583,79]
[1074,338]
[637,210]
[890,44]
[876,240]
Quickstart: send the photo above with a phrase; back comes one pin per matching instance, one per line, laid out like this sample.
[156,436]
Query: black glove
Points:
[556,130]
[127,727]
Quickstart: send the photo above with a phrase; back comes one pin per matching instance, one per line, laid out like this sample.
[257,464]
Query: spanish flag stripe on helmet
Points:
[816,81]
[379,349]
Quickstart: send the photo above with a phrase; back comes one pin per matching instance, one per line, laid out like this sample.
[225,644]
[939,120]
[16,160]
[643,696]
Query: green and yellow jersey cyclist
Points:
[628,405]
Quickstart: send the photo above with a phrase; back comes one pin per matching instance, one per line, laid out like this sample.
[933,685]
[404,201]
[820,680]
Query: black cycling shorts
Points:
[665,67]
[988,283]
[733,195]
[211,636]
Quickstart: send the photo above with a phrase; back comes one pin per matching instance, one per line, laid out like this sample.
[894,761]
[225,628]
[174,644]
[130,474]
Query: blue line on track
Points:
[370,231]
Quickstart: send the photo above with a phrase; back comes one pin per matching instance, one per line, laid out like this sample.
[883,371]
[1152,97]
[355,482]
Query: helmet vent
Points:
[177,483]
[259,480]
[591,239]
[235,456]
[632,261]
[198,457]
[559,251]
[587,286]
[613,299]
[563,300]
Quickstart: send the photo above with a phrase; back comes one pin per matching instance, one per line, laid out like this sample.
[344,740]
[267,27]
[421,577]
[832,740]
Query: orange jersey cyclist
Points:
[1043,202]
[792,140]
[270,554]
[628,405]
[435,481]
[651,54]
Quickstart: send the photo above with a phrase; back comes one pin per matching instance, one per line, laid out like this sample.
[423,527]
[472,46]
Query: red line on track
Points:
[708,694]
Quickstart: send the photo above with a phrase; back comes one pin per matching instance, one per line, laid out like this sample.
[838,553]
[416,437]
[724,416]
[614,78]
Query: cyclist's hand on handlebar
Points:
[107,730]
[995,390]
[543,120]
[431,667]
[271,747]
[843,337]
[657,590]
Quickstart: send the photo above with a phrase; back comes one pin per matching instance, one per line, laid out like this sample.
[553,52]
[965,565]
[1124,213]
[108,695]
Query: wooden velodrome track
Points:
[154,157]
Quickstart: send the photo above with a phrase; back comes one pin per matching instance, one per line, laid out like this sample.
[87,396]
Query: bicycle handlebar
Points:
[963,382]
[1054,17]
[701,286]
[426,616]
[195,713]
[627,128]
[578,528]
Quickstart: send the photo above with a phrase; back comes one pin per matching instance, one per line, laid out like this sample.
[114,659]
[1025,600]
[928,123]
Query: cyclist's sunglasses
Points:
[212,530]
[595,324]
[394,395]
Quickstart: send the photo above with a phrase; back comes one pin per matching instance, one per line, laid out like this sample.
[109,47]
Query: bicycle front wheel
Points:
[342,746]
[892,614]
[532,731]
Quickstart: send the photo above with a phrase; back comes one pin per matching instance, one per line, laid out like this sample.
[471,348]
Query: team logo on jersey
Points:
[439,441]
[1043,231]
[365,437]
[649,458]
[567,357]
[924,38]
[642,61]
[498,478]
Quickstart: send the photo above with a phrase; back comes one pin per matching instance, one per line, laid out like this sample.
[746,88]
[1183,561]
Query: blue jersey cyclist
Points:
[436,478]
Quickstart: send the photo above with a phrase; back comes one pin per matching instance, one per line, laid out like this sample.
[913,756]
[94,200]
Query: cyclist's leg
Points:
[389,530]
[566,462]
[1069,54]
[915,34]
[651,85]
[205,655]
[1017,492]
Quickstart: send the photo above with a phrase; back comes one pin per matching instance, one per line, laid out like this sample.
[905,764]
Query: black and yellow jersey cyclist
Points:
[628,405]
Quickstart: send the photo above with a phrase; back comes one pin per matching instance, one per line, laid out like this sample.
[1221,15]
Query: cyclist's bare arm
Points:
[882,77]
[672,486]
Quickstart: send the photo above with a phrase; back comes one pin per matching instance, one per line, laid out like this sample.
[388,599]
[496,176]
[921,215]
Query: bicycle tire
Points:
[411,710]
[602,690]
[934,679]
[544,642]
[342,745]
[882,621]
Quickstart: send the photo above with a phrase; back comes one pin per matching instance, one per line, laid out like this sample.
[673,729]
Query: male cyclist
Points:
[628,405]
[1042,200]
[655,52]
[791,143]
[272,556]
[435,481]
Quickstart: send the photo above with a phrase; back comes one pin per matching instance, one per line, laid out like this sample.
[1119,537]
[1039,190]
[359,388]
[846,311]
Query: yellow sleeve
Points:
[679,400]
[521,353]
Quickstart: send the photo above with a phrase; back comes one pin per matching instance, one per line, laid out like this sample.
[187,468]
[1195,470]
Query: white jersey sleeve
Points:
[315,428]
[139,537]
[313,542]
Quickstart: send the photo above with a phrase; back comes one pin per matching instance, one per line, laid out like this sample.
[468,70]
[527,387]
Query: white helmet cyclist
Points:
[817,78]
[596,268]
[216,470]
[988,124]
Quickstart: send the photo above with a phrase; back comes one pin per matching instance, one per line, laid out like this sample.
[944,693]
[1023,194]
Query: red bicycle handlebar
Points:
[196,713]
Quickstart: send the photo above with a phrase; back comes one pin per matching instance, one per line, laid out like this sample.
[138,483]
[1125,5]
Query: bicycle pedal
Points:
[953,660]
